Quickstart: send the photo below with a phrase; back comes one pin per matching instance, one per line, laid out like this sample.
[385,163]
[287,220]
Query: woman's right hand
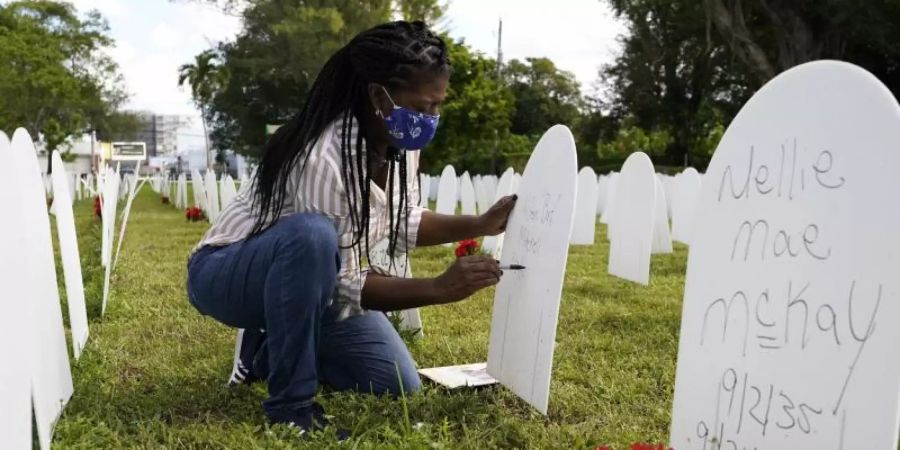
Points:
[467,275]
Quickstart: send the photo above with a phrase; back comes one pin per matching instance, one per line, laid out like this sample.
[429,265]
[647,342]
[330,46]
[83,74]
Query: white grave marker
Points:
[229,190]
[609,205]
[446,201]
[467,195]
[50,375]
[585,208]
[68,251]
[110,201]
[662,240]
[631,227]
[602,187]
[16,315]
[212,195]
[197,183]
[788,334]
[526,304]
[686,193]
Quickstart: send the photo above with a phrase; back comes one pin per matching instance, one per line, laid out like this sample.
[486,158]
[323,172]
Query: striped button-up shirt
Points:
[319,188]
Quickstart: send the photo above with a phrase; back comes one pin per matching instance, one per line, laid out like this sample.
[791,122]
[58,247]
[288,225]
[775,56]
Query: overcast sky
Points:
[154,37]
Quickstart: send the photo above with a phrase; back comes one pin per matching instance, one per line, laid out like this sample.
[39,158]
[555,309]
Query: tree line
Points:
[684,70]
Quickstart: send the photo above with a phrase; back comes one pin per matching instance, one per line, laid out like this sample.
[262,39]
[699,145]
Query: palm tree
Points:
[205,77]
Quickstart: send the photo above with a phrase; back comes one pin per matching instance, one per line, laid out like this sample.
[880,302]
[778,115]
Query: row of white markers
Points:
[210,194]
[36,377]
[793,277]
[637,205]
[792,283]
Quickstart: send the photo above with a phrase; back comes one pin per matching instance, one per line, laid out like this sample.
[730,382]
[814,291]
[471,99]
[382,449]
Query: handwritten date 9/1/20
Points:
[745,408]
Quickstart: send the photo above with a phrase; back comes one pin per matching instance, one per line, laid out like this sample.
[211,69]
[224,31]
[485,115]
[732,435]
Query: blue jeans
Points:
[282,280]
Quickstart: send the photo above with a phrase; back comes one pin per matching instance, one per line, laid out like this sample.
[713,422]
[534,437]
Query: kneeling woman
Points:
[286,255]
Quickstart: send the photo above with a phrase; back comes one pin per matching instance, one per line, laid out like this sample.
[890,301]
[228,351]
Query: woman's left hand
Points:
[493,221]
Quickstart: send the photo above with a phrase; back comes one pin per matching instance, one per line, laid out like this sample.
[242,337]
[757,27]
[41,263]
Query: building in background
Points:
[159,132]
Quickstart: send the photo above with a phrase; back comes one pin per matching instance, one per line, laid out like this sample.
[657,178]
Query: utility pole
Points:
[499,80]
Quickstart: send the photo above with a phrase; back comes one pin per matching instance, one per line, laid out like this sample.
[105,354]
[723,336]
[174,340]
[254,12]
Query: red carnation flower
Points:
[194,214]
[98,207]
[467,247]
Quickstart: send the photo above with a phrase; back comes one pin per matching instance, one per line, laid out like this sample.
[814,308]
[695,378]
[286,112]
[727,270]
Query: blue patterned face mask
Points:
[411,130]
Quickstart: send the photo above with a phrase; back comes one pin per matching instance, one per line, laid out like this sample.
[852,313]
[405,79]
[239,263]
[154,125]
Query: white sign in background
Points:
[788,335]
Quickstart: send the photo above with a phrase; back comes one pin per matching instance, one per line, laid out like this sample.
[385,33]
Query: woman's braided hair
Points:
[391,55]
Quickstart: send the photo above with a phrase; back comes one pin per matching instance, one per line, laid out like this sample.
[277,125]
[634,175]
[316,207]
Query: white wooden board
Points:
[585,208]
[788,335]
[69,255]
[51,376]
[631,227]
[16,315]
[526,303]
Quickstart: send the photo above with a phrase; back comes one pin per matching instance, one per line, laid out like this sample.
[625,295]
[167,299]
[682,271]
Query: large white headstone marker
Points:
[16,315]
[494,244]
[686,194]
[631,227]
[585,208]
[788,334]
[526,303]
[68,251]
[662,239]
[50,375]
[467,195]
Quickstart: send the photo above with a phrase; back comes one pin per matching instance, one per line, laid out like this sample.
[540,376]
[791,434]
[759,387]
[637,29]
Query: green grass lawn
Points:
[153,373]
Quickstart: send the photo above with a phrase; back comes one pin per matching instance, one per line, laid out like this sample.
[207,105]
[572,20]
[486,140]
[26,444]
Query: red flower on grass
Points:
[467,247]
[194,214]
[98,207]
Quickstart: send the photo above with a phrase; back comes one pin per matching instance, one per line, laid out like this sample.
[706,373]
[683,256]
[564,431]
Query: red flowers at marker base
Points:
[467,247]
[98,207]
[194,214]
